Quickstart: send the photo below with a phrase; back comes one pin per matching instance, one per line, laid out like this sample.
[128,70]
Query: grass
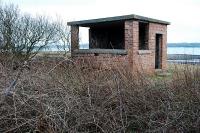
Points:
[66,97]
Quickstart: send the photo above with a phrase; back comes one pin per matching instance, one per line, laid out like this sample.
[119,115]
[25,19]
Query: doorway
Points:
[158,51]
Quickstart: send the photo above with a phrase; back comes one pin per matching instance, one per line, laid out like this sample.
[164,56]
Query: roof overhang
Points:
[117,19]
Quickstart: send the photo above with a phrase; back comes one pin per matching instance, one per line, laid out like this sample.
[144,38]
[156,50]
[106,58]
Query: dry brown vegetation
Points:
[60,96]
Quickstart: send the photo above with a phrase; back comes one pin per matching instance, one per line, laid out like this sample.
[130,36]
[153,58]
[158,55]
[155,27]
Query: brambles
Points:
[53,95]
[67,98]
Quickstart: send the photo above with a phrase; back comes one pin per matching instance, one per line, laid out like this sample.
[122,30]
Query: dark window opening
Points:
[96,54]
[143,36]
[158,51]
[107,36]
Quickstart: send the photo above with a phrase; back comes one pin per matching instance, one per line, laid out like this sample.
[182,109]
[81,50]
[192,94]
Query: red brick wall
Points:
[144,60]
[74,38]
[129,41]
[136,60]
[106,61]
[158,29]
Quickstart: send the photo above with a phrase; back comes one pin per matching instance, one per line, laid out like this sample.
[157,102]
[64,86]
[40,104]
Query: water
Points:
[191,50]
[61,48]
[188,54]
[184,50]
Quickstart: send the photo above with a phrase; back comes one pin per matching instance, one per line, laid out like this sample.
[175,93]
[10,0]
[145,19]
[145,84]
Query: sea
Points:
[184,53]
[177,52]
[183,48]
[172,48]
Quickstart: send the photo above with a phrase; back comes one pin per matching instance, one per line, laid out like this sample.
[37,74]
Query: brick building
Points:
[138,42]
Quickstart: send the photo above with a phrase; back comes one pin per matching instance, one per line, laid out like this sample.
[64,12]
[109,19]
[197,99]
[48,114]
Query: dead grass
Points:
[65,97]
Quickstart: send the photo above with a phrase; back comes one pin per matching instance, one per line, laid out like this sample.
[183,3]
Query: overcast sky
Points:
[184,15]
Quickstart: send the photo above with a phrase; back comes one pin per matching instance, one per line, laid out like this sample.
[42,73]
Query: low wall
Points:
[105,61]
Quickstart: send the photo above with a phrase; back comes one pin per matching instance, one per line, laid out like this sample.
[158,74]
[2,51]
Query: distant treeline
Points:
[183,44]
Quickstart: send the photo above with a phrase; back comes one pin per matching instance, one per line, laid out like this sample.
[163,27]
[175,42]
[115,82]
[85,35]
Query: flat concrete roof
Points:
[91,22]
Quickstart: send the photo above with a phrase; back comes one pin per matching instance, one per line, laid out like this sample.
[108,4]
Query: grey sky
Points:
[184,15]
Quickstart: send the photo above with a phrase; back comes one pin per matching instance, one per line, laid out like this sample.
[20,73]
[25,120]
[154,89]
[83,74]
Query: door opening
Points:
[158,51]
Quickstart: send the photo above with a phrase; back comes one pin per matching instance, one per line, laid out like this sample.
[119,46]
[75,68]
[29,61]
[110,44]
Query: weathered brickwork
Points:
[105,61]
[74,38]
[153,30]
[144,60]
[137,59]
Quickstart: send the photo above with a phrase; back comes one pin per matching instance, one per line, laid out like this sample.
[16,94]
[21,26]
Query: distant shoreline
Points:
[183,59]
[194,45]
[171,58]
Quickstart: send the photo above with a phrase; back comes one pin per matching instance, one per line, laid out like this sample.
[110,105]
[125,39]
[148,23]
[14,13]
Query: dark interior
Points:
[158,51]
[143,36]
[107,36]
